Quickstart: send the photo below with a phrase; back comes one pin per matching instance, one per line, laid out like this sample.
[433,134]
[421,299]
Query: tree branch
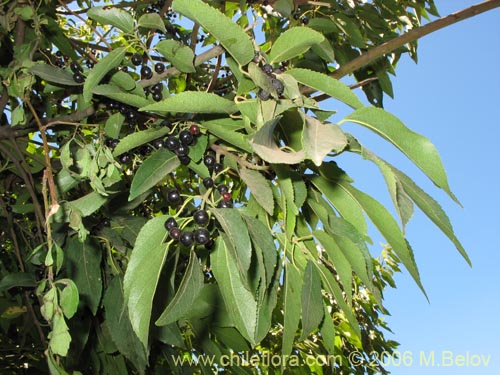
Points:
[412,35]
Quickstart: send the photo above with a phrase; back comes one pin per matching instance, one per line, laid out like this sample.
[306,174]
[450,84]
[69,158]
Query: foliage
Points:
[170,188]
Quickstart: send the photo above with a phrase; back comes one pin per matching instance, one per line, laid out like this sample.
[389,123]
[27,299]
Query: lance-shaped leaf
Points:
[239,301]
[139,138]
[231,36]
[226,129]
[153,170]
[312,300]
[415,146]
[143,273]
[116,17]
[320,139]
[292,308]
[20,279]
[265,146]
[431,208]
[113,92]
[259,188]
[83,266]
[343,202]
[236,235]
[181,56]
[193,102]
[59,336]
[54,75]
[389,228]
[330,86]
[120,328]
[108,63]
[339,261]
[262,238]
[187,294]
[294,42]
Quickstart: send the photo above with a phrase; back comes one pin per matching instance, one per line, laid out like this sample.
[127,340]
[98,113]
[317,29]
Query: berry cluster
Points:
[188,238]
[277,84]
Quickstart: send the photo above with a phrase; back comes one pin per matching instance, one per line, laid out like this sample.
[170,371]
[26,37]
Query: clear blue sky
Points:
[452,96]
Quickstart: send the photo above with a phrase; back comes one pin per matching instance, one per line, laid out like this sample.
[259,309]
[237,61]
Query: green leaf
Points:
[68,298]
[259,188]
[143,273]
[88,204]
[113,125]
[431,208]
[113,92]
[415,146]
[389,228]
[59,336]
[231,36]
[193,102]
[20,279]
[136,139]
[116,17]
[151,21]
[237,235]
[312,300]
[222,128]
[127,83]
[343,202]
[339,261]
[262,238]
[187,294]
[83,266]
[54,75]
[292,308]
[330,86]
[108,63]
[154,169]
[239,301]
[294,42]
[265,146]
[320,139]
[120,328]
[181,56]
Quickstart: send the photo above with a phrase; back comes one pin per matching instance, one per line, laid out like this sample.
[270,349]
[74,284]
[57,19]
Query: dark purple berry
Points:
[186,137]
[208,182]
[125,158]
[304,20]
[225,204]
[175,233]
[263,95]
[201,217]
[174,197]
[12,200]
[278,86]
[209,245]
[222,188]
[136,59]
[75,67]
[158,143]
[267,68]
[159,68]
[111,142]
[218,167]
[157,96]
[184,159]
[146,72]
[170,223]
[201,236]
[187,238]
[172,143]
[78,77]
[156,88]
[182,150]
[209,160]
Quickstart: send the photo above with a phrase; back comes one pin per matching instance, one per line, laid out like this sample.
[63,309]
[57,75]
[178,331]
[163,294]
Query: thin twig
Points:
[375,53]
[224,151]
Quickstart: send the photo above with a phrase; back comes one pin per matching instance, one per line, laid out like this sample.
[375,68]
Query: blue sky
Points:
[452,96]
